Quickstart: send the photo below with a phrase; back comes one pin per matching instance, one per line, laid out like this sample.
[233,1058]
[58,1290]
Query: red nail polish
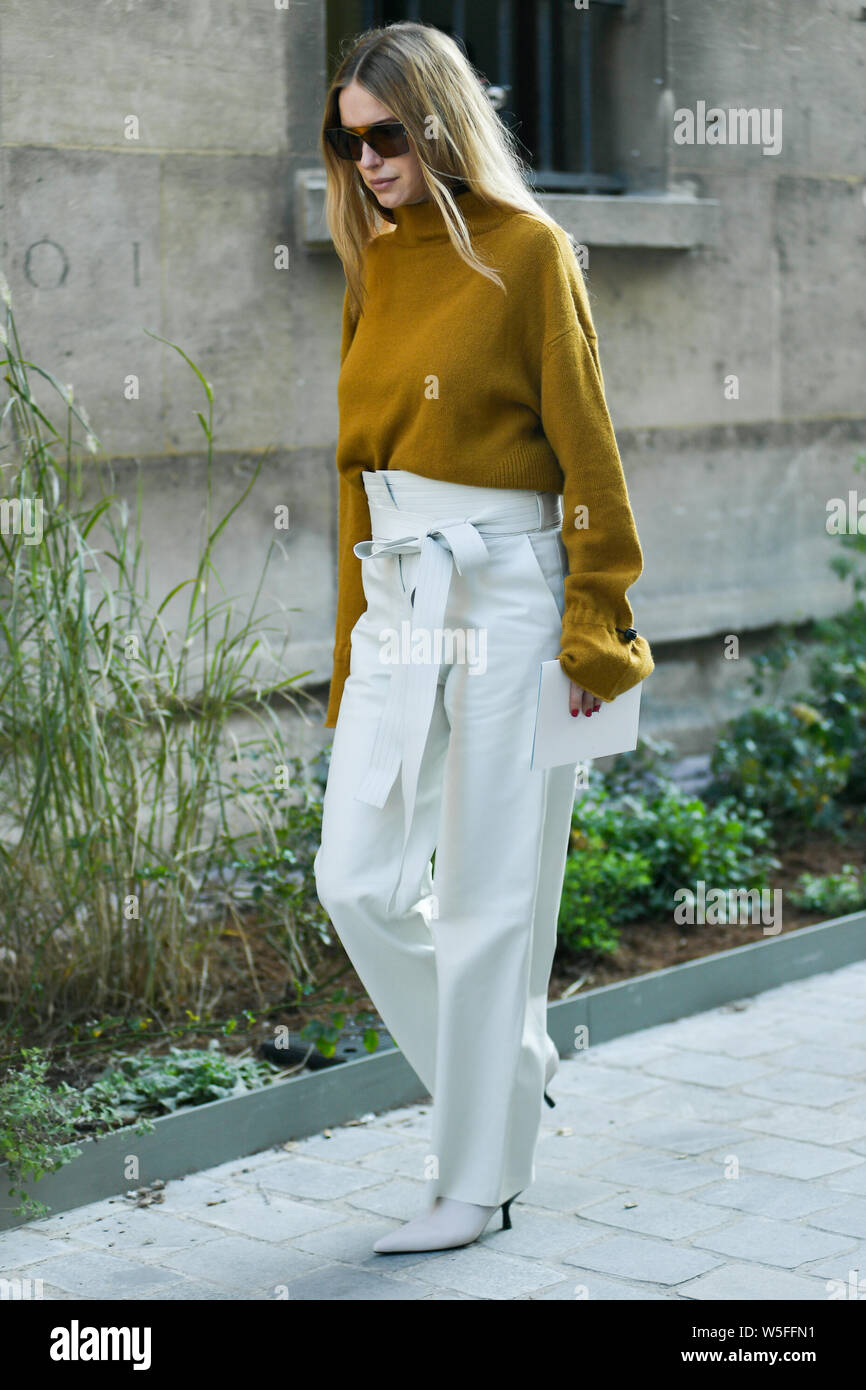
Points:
[573,713]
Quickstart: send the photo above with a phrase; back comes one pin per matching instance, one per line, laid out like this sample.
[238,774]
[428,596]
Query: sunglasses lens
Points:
[386,140]
[389,140]
[345,145]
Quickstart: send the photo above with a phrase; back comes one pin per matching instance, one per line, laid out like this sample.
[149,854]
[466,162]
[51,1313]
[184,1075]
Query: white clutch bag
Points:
[559,737]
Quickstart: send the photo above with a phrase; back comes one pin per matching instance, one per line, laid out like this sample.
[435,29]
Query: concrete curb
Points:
[206,1135]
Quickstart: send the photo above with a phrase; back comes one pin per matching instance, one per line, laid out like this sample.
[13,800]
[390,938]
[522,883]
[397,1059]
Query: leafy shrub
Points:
[680,838]
[782,761]
[599,882]
[834,893]
[146,1085]
[38,1125]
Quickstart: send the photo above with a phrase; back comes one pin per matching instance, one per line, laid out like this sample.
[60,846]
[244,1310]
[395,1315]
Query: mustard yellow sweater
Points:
[520,404]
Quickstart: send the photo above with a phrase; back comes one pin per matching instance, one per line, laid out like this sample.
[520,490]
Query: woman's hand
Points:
[580,699]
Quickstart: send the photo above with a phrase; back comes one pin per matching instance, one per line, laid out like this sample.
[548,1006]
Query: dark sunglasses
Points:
[387,139]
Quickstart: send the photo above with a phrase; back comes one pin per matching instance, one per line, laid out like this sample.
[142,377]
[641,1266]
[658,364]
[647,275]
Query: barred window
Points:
[548,66]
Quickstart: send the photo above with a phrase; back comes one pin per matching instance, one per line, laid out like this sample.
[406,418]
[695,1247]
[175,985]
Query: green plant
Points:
[115,806]
[599,882]
[326,1035]
[148,1085]
[781,761]
[681,838]
[38,1125]
[836,893]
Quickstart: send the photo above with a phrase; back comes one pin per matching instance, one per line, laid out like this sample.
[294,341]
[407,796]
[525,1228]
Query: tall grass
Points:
[113,806]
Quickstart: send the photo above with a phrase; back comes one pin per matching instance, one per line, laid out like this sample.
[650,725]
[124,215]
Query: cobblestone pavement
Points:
[719,1157]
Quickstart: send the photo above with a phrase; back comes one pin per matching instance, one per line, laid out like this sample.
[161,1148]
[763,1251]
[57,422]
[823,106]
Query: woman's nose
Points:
[369,158]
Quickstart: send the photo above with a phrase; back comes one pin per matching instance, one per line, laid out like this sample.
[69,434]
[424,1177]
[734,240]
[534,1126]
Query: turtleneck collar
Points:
[423,222]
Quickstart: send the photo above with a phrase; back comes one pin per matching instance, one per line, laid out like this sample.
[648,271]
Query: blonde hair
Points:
[426,81]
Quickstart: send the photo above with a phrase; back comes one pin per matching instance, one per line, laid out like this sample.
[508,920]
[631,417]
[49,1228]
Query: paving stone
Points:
[149,1231]
[408,1160]
[772,1242]
[418,1124]
[804,1088]
[540,1236]
[562,1150]
[845,1271]
[479,1271]
[679,1134]
[634,1050]
[837,1061]
[235,1262]
[237,1169]
[591,1287]
[822,1126]
[400,1199]
[852,1181]
[97,1274]
[22,1246]
[727,1035]
[682,1098]
[558,1190]
[783,1198]
[198,1192]
[588,1116]
[660,1171]
[64,1222]
[835,1005]
[277,1219]
[606,1083]
[791,1158]
[52,1294]
[753,1283]
[636,1258]
[444,1295]
[703,1069]
[191,1290]
[311,1177]
[351,1242]
[849,1218]
[347,1144]
[829,1033]
[655,1214]
[340,1282]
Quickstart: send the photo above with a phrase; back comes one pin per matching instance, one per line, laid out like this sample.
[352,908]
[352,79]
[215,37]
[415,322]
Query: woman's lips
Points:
[380,183]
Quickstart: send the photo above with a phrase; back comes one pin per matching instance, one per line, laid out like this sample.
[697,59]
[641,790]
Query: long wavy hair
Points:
[426,81]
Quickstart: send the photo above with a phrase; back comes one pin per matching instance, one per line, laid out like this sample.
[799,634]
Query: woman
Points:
[471,409]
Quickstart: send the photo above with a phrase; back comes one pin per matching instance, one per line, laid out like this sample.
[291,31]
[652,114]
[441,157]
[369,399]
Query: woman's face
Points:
[405,182]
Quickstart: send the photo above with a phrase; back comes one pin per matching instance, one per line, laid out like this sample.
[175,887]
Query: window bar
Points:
[503,56]
[585,79]
[544,95]
[458,18]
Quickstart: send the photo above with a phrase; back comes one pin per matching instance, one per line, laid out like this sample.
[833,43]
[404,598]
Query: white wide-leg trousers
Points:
[431,750]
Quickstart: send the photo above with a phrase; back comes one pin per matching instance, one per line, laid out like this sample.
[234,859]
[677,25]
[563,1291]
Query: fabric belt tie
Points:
[402,733]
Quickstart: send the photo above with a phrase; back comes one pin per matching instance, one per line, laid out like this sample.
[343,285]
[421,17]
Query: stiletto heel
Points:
[506,1216]
[549,1101]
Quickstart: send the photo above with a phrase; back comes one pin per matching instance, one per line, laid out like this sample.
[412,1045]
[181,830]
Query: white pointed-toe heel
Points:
[446,1226]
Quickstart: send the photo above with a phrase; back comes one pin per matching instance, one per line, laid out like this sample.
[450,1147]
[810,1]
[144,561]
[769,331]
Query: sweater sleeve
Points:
[353,524]
[598,529]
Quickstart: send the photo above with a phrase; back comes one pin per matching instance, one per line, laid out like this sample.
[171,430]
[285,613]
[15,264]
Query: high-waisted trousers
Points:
[431,752]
